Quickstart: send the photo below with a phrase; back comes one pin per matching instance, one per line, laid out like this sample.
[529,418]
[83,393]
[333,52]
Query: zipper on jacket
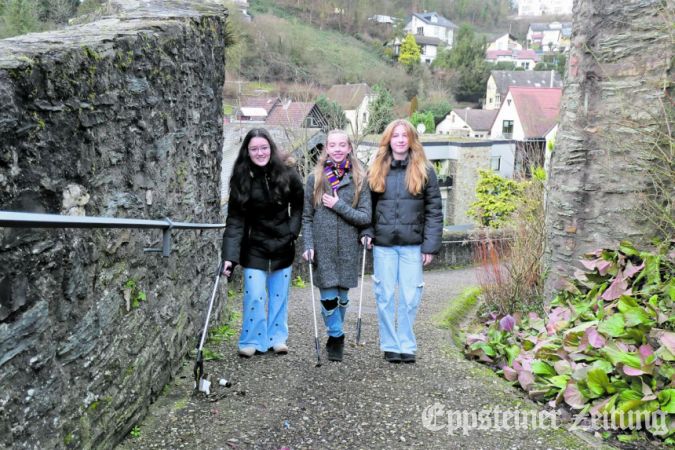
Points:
[268,185]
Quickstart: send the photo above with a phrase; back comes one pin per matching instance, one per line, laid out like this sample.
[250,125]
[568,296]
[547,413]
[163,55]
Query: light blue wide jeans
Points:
[265,311]
[334,317]
[397,266]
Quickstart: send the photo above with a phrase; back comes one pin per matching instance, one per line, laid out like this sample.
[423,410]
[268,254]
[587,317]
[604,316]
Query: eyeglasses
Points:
[261,149]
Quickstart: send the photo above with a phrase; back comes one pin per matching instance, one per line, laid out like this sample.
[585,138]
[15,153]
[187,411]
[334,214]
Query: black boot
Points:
[334,347]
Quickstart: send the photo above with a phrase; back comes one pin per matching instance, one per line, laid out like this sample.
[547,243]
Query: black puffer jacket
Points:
[261,234]
[400,218]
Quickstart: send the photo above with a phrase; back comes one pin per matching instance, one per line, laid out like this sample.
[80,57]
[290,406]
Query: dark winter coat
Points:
[334,233]
[261,234]
[400,218]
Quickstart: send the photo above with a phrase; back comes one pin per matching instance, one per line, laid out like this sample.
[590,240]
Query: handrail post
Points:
[166,239]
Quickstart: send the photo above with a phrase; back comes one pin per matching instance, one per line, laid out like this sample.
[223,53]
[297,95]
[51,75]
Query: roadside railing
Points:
[9,219]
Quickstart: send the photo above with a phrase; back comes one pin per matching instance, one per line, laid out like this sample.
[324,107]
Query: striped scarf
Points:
[336,171]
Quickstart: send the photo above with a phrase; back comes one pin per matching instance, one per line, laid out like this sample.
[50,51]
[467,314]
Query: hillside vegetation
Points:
[286,50]
[351,16]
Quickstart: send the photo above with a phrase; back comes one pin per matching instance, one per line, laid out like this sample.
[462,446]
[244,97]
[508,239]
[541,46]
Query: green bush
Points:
[426,118]
[496,199]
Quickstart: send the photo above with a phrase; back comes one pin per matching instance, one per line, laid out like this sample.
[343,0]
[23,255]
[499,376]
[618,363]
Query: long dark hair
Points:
[242,172]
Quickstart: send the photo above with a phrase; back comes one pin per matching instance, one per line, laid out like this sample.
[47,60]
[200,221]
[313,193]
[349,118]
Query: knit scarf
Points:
[335,172]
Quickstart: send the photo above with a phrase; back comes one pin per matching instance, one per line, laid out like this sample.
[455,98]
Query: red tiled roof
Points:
[526,54]
[493,54]
[515,54]
[290,114]
[538,109]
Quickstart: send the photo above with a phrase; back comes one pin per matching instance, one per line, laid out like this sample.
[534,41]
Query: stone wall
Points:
[617,88]
[121,117]
[465,179]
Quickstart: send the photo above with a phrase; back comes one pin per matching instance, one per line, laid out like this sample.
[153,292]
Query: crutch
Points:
[363,273]
[316,329]
[201,382]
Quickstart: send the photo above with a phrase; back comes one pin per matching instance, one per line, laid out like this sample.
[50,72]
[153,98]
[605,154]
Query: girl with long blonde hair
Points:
[337,208]
[406,233]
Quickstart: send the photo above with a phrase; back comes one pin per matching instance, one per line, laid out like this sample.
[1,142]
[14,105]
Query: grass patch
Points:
[180,404]
[457,311]
[259,86]
[222,333]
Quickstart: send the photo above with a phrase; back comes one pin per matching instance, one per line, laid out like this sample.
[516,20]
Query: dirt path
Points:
[364,402]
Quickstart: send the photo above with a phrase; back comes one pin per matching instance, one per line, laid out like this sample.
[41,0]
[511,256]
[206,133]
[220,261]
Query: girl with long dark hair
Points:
[263,222]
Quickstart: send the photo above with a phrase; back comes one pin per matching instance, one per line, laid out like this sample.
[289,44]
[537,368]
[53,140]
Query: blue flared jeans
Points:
[397,266]
[334,316]
[265,310]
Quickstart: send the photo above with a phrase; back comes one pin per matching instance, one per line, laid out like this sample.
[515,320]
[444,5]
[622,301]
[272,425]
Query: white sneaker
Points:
[280,349]
[247,352]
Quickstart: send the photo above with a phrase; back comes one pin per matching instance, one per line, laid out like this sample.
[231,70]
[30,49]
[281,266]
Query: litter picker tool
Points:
[316,330]
[358,321]
[201,380]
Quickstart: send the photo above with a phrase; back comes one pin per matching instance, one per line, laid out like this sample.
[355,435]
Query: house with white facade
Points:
[355,100]
[384,19]
[526,59]
[529,117]
[545,7]
[467,122]
[554,36]
[500,81]
[527,114]
[432,33]
[504,42]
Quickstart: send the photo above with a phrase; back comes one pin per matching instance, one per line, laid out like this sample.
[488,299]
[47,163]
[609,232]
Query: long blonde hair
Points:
[416,175]
[358,173]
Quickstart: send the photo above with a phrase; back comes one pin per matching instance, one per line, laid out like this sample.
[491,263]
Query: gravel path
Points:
[364,402]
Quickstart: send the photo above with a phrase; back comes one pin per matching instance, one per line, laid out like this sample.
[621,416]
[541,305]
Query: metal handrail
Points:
[10,219]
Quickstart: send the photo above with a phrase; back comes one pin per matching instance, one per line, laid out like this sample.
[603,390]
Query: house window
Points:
[507,128]
[420,31]
[497,99]
[311,122]
[495,163]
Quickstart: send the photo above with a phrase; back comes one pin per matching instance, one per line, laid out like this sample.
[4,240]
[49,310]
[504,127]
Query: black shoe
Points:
[408,358]
[335,347]
[392,357]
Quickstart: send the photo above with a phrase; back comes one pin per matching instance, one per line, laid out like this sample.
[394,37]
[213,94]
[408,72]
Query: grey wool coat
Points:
[334,233]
